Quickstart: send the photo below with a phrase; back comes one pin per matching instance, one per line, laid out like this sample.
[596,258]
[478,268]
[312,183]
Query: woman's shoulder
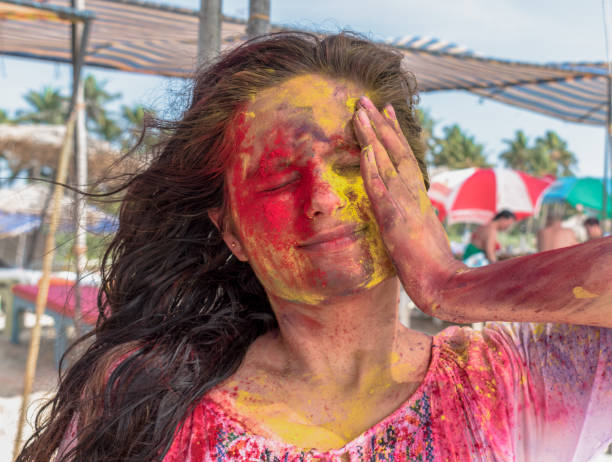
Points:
[488,351]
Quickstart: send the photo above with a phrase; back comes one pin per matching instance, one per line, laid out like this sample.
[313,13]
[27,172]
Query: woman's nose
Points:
[324,199]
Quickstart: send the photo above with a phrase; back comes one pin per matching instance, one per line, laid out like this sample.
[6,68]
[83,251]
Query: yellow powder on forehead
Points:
[332,101]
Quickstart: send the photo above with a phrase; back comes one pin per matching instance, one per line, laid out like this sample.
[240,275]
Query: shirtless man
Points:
[593,228]
[484,238]
[554,235]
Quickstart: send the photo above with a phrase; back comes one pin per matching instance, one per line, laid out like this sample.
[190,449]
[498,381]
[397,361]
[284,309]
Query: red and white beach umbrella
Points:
[475,195]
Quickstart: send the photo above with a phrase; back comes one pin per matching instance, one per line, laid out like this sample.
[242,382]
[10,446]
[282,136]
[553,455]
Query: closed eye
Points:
[281,186]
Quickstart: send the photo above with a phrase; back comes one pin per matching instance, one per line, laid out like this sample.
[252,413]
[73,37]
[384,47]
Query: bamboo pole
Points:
[43,284]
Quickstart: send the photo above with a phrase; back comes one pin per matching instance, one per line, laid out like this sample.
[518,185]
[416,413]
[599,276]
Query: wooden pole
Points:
[259,18]
[43,284]
[80,163]
[209,31]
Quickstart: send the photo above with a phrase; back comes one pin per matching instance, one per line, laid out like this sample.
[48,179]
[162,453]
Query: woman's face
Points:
[300,213]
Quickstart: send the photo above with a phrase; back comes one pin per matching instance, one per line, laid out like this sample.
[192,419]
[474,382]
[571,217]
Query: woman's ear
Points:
[228,235]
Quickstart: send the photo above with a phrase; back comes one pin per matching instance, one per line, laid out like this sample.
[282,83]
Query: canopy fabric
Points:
[576,92]
[30,10]
[149,38]
[580,99]
[128,36]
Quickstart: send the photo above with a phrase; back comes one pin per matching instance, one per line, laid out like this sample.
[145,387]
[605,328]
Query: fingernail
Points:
[389,112]
[363,117]
[367,103]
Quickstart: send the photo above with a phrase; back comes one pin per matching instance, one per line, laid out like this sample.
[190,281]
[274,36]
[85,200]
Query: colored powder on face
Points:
[351,103]
[272,146]
[358,209]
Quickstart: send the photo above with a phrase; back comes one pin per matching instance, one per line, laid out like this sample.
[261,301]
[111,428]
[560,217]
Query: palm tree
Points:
[563,159]
[47,106]
[133,118]
[458,150]
[540,163]
[518,155]
[96,99]
[4,118]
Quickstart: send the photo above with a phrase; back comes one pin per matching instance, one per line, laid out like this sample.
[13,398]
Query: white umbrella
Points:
[475,195]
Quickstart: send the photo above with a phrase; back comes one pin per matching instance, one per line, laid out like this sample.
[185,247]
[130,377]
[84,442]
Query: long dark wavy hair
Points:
[177,311]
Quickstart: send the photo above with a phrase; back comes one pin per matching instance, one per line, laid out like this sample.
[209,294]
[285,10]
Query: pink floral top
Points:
[514,392]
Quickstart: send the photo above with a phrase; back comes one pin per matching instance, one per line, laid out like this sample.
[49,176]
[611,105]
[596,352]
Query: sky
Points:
[539,32]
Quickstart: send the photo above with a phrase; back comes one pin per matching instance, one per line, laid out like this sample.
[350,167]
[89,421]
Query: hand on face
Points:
[410,229]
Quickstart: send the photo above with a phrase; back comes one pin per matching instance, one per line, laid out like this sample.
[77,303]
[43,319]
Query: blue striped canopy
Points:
[142,37]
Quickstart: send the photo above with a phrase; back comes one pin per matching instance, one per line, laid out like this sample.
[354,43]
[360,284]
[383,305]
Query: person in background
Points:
[483,246]
[554,235]
[593,228]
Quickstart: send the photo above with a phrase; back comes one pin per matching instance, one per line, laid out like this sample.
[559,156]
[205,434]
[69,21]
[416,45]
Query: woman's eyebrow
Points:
[269,162]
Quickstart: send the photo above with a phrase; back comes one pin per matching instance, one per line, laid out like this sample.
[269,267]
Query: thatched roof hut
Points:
[35,146]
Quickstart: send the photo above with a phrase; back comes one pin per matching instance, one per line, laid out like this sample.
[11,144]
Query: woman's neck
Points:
[329,372]
[352,342]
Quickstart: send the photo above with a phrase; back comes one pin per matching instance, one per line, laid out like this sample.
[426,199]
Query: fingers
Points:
[368,137]
[396,188]
[384,205]
[383,130]
[387,129]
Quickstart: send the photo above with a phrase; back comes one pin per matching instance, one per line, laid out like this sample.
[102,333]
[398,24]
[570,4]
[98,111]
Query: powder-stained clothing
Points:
[514,392]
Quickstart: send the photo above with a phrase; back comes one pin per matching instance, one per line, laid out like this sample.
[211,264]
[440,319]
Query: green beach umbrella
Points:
[586,191]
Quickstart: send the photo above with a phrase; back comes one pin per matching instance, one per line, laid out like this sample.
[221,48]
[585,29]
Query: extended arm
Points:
[571,285]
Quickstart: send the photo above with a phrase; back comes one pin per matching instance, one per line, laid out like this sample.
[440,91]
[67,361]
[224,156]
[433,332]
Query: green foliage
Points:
[427,126]
[133,121]
[547,156]
[4,118]
[518,154]
[96,99]
[64,256]
[47,106]
[50,106]
[458,150]
[552,146]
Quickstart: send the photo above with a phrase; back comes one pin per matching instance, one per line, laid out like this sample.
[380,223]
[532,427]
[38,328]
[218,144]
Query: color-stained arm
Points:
[571,285]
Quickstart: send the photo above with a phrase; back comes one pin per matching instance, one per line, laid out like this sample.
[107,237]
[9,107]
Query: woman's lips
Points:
[336,238]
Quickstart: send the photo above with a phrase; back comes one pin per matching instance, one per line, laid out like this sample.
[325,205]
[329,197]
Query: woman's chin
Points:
[336,284]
